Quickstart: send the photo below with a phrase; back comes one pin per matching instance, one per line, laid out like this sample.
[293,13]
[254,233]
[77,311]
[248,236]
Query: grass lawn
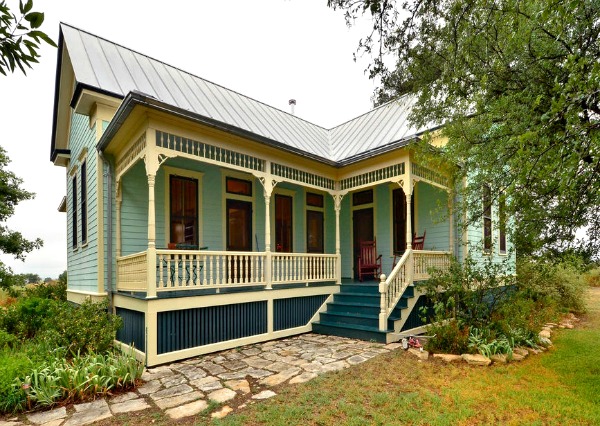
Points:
[561,386]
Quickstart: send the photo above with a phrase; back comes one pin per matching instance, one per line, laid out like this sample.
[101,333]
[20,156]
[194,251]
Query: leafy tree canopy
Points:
[20,37]
[516,84]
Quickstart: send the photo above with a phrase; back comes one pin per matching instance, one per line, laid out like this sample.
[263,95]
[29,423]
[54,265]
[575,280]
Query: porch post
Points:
[151,252]
[409,231]
[152,164]
[337,199]
[268,270]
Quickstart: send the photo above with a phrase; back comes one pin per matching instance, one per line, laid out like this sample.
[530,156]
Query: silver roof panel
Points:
[109,67]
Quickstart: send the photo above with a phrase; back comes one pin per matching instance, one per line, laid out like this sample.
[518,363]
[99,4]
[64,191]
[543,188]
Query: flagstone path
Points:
[235,377]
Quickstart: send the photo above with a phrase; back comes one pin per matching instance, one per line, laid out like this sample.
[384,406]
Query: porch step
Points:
[353,331]
[354,312]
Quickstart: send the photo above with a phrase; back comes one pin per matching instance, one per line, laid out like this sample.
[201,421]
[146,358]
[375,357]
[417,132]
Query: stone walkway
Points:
[232,379]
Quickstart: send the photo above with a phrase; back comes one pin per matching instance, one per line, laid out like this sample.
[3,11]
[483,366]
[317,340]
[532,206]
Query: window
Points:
[238,186]
[83,203]
[362,197]
[183,210]
[502,224]
[74,206]
[487,219]
[314,200]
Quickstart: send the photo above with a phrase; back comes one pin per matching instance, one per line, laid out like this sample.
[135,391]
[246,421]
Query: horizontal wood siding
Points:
[133,330]
[82,261]
[134,210]
[189,328]
[296,311]
[432,216]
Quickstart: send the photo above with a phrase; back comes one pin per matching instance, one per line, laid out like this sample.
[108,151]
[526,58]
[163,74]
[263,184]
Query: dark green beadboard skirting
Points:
[188,328]
[295,311]
[133,328]
[414,318]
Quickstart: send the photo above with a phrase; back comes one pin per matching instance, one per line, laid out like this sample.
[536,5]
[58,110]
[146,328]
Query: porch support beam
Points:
[451,221]
[152,161]
[337,204]
[268,184]
[119,199]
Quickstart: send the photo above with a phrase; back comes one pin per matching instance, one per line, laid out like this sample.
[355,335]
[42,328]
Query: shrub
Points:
[82,329]
[592,277]
[12,364]
[56,291]
[24,318]
[559,284]
[450,337]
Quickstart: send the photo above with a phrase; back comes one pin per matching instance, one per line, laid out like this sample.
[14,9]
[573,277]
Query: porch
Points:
[216,248]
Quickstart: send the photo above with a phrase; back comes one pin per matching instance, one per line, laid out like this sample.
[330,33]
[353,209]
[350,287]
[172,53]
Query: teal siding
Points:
[134,210]
[329,219]
[432,216]
[82,261]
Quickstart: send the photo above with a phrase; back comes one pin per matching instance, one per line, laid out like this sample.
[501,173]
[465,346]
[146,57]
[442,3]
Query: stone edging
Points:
[519,353]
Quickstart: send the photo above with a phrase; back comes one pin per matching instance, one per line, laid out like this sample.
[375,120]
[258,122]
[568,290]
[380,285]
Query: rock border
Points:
[519,353]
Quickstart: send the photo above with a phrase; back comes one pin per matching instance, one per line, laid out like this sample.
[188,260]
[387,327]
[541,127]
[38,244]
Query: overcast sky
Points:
[270,50]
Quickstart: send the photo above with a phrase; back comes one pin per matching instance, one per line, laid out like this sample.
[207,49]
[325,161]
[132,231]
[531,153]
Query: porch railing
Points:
[131,272]
[392,287]
[188,270]
[413,265]
[202,269]
[424,260]
[303,267]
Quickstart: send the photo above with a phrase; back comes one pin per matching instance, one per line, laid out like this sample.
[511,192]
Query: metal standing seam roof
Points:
[111,68]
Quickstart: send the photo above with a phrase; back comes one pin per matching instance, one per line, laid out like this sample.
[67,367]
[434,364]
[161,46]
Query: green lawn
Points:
[561,386]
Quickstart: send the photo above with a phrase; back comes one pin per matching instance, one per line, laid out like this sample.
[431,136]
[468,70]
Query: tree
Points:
[20,37]
[20,41]
[516,84]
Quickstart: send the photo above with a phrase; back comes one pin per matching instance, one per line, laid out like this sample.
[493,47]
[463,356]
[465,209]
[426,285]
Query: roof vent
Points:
[292,104]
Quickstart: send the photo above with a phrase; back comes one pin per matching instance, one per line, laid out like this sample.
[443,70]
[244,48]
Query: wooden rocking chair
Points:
[368,261]
[418,243]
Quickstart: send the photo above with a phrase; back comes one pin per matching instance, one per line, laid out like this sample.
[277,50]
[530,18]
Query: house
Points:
[211,220]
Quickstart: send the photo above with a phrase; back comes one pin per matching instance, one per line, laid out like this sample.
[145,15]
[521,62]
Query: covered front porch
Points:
[217,246]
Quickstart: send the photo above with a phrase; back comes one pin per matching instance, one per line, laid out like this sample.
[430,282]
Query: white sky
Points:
[271,50]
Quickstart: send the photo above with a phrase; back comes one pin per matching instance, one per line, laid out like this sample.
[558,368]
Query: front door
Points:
[239,235]
[362,224]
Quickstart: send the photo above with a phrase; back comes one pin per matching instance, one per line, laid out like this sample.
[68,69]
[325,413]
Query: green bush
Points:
[26,317]
[82,329]
[592,277]
[450,337]
[560,284]
[55,291]
[12,364]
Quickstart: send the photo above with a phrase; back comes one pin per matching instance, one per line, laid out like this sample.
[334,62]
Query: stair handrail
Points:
[392,288]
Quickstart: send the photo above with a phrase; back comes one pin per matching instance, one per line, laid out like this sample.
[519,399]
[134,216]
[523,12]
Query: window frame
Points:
[83,204]
[502,225]
[487,219]
[74,227]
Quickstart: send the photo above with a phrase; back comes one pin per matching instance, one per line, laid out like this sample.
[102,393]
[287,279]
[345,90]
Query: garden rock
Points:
[222,412]
[448,357]
[477,360]
[47,416]
[545,333]
[422,355]
[187,410]
[521,351]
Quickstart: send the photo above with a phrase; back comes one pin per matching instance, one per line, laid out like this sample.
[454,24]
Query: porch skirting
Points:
[169,329]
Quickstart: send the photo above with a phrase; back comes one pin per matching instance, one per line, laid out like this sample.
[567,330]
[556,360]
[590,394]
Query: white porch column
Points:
[152,164]
[268,268]
[337,204]
[408,188]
